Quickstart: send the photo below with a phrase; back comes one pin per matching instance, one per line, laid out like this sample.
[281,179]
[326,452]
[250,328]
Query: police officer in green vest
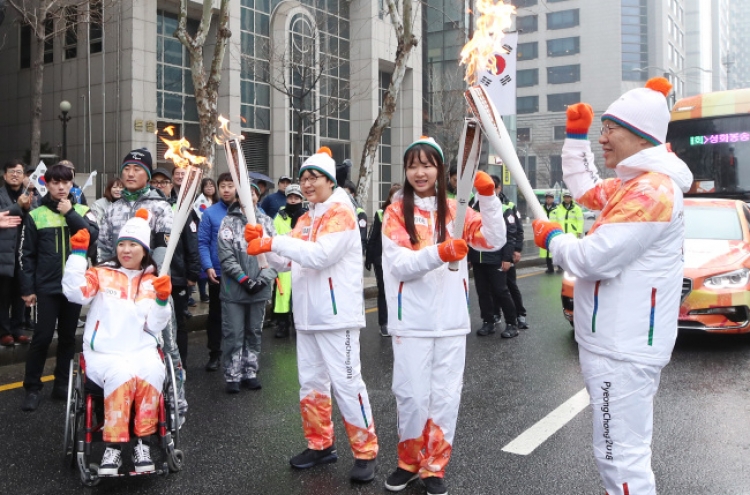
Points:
[570,216]
[284,222]
[549,206]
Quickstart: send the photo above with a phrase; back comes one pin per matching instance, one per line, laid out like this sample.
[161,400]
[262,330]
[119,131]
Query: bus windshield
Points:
[717,150]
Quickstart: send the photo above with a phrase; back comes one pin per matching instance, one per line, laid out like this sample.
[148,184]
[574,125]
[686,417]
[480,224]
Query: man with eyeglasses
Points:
[17,204]
[628,270]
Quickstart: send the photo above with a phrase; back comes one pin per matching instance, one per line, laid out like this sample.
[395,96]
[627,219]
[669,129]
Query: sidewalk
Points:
[17,354]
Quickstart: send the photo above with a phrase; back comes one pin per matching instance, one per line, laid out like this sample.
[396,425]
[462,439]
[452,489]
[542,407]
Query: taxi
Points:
[716,276]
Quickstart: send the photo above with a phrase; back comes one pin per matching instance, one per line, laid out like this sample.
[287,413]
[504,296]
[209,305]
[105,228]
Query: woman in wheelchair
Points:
[128,310]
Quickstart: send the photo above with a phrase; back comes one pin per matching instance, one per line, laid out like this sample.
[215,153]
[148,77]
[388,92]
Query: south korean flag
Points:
[36,180]
[200,205]
[501,87]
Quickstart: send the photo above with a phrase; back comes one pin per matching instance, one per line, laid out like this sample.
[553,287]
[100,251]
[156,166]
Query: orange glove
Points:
[253,232]
[579,120]
[545,231]
[163,288]
[79,243]
[259,246]
[453,249]
[484,184]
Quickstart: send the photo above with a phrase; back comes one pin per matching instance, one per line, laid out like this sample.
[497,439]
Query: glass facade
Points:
[255,90]
[527,77]
[559,102]
[634,26]
[527,23]
[563,74]
[563,46]
[527,51]
[562,19]
[527,104]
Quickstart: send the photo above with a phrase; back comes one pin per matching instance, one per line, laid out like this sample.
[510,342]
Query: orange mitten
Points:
[79,243]
[453,249]
[579,120]
[484,184]
[163,287]
[545,231]
[259,246]
[253,232]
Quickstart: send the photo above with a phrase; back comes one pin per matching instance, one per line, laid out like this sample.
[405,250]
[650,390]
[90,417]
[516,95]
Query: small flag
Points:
[37,179]
[89,181]
[200,205]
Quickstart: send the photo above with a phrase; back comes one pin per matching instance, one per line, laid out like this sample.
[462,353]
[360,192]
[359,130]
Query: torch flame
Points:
[479,53]
[179,152]
[226,134]
[169,130]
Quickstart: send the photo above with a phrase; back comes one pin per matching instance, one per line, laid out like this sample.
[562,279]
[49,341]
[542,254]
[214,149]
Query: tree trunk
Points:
[406,42]
[37,65]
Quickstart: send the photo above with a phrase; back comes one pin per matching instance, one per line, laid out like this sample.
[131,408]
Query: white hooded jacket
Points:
[326,262]
[628,268]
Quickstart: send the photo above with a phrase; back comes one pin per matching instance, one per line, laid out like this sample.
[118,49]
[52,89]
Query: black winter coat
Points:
[186,263]
[505,253]
[9,237]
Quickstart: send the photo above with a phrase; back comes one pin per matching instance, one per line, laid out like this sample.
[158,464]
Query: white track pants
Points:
[427,381]
[622,399]
[331,358]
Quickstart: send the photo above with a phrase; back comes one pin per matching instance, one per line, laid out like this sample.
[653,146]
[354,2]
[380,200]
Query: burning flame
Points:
[169,130]
[179,152]
[479,53]
[226,134]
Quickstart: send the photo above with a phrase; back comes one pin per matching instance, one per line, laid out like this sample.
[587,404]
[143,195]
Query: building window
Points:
[634,37]
[528,51]
[555,170]
[561,47]
[255,90]
[559,134]
[255,149]
[24,44]
[49,40]
[527,77]
[563,74]
[96,27]
[563,19]
[524,3]
[559,102]
[527,23]
[70,50]
[527,104]
[523,134]
[385,146]
[529,163]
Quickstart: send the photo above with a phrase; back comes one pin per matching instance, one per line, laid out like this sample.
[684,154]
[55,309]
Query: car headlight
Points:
[736,278]
[567,276]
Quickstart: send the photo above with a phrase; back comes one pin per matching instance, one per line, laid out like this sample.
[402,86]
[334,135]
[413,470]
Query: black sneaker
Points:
[60,391]
[398,479]
[111,462]
[435,485]
[309,458]
[252,383]
[31,402]
[522,322]
[142,458]
[363,470]
[486,329]
[282,330]
[496,318]
[509,332]
[213,364]
[233,387]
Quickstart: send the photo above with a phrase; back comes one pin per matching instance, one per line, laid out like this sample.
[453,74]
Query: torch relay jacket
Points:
[628,268]
[325,251]
[124,316]
[425,298]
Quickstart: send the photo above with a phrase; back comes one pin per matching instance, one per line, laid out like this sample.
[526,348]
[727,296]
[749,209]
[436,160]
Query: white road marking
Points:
[529,440]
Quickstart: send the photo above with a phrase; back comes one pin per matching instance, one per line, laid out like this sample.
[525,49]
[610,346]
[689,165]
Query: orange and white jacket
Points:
[124,314]
[325,251]
[424,298]
[628,268]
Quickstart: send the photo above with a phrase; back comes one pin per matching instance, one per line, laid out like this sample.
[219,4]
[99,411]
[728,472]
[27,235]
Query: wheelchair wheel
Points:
[176,460]
[71,414]
[172,397]
[89,478]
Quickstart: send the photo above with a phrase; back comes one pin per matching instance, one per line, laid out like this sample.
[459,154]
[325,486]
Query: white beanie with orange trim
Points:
[643,111]
[323,162]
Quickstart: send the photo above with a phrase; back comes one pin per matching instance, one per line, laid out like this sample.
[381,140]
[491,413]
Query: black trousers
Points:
[515,293]
[492,289]
[52,309]
[12,307]
[382,307]
[550,268]
[180,295]
[213,325]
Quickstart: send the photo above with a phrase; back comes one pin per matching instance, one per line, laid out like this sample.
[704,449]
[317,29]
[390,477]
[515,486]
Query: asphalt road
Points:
[241,444]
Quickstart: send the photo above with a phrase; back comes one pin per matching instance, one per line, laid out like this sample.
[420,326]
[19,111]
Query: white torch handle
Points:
[497,134]
[178,223]
[469,149]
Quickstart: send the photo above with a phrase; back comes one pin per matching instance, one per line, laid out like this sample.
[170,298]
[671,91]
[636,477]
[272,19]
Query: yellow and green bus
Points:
[711,133]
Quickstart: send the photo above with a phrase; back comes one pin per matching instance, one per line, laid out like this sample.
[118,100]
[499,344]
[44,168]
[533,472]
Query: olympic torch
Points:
[469,149]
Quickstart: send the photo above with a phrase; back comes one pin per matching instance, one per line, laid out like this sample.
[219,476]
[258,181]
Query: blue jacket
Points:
[208,233]
[272,203]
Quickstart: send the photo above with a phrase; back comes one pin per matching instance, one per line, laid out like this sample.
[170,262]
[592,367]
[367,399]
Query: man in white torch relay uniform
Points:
[628,270]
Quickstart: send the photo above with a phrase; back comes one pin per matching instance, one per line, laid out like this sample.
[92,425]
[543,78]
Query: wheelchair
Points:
[86,401]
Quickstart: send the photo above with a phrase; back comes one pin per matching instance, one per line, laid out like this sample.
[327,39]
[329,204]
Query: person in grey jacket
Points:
[245,290]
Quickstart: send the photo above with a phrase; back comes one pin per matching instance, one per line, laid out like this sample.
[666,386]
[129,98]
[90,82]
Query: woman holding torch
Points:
[428,308]
[326,262]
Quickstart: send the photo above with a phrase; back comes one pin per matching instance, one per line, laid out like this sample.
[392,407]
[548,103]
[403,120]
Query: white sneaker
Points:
[142,458]
[111,462]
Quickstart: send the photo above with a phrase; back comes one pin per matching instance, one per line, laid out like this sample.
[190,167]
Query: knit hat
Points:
[643,111]
[256,187]
[429,142]
[140,157]
[294,189]
[137,230]
[322,161]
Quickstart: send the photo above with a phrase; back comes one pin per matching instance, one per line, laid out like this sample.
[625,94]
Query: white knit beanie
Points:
[323,162]
[137,229]
[429,142]
[643,111]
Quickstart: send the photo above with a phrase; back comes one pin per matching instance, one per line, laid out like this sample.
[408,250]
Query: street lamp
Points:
[65,107]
